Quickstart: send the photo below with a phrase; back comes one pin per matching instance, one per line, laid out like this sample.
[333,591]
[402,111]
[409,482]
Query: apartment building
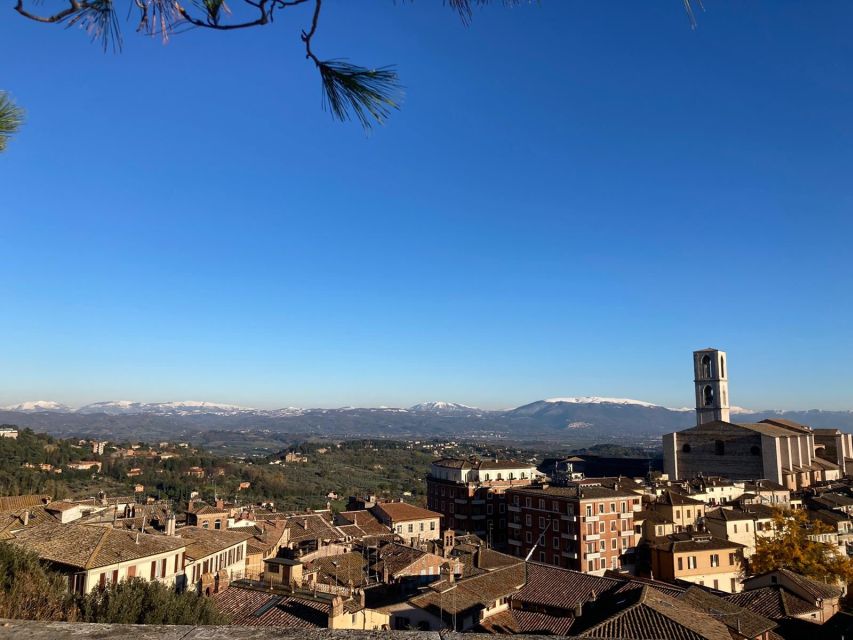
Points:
[94,556]
[213,558]
[411,523]
[581,527]
[471,494]
[700,558]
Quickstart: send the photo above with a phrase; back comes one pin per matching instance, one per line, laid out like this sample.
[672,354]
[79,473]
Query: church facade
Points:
[791,454]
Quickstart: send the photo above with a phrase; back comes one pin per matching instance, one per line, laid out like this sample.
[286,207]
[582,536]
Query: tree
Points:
[29,591]
[136,601]
[11,119]
[791,547]
[349,90]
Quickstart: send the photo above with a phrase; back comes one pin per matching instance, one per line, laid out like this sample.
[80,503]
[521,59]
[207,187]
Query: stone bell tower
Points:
[712,385]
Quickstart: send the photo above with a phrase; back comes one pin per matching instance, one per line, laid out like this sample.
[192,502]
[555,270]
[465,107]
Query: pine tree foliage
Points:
[11,119]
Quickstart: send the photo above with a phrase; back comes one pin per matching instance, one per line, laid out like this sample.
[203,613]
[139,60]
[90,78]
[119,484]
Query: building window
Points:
[600,507]
[217,524]
[731,558]
[541,522]
[719,447]
[691,562]
[432,526]
[556,543]
[715,561]
[612,507]
[602,545]
[735,527]
[680,564]
[588,510]
[528,520]
[613,544]
[722,367]
[528,536]
[600,527]
[411,528]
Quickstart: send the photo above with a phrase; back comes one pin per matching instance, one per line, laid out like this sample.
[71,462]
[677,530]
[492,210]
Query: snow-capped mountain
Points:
[600,400]
[445,408]
[185,407]
[35,406]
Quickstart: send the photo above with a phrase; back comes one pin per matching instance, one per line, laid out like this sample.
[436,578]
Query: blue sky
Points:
[574,196]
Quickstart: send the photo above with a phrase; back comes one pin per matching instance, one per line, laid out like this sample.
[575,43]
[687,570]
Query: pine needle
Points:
[369,94]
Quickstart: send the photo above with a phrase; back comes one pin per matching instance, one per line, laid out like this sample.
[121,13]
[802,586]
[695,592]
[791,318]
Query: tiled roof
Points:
[14,503]
[514,621]
[204,542]
[488,465]
[401,512]
[471,593]
[729,515]
[672,498]
[681,542]
[581,492]
[208,510]
[636,582]
[742,620]
[557,588]
[312,526]
[813,587]
[263,609]
[647,614]
[788,424]
[452,463]
[91,546]
[361,523]
[395,558]
[774,602]
[350,569]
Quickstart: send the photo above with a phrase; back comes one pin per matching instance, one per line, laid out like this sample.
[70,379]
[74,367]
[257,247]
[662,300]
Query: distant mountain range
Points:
[560,419]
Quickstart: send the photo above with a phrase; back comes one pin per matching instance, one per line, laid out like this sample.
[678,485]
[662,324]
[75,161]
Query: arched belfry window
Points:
[722,367]
[706,367]
[708,395]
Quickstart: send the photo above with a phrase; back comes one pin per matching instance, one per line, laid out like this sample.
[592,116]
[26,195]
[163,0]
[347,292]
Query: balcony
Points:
[513,508]
[626,533]
[592,537]
[569,536]
[514,525]
[591,519]
[570,554]
[625,516]
[571,518]
[515,543]
[593,556]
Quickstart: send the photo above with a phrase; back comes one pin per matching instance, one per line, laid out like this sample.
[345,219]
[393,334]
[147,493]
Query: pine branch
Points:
[348,90]
[11,119]
[98,18]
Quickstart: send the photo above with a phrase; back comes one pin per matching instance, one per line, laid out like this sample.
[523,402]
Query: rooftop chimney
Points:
[26,517]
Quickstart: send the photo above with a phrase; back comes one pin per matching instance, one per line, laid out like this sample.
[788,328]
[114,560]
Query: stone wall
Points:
[724,450]
[18,629]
